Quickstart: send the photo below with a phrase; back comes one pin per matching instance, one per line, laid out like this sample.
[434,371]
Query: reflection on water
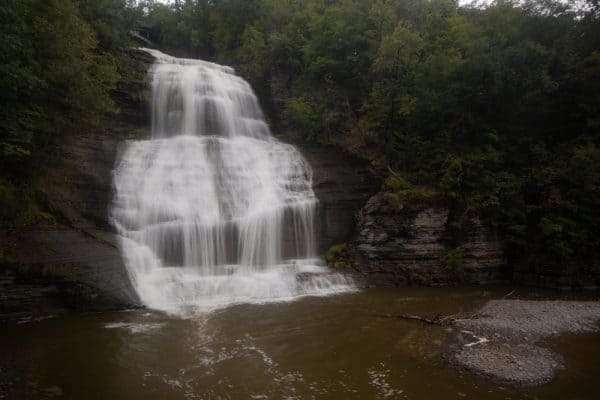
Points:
[337,347]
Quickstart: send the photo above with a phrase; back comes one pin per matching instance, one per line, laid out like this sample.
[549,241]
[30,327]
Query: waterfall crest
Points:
[212,210]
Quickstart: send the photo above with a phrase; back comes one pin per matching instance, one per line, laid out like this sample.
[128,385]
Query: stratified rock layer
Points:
[398,248]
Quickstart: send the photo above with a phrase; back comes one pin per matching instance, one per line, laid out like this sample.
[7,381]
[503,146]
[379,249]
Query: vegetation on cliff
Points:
[58,66]
[494,109]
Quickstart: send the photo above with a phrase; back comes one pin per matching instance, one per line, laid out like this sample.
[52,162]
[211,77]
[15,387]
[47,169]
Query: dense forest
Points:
[491,110]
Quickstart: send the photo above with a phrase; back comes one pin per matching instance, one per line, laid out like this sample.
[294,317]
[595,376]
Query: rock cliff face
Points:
[74,262]
[394,248]
[64,269]
[342,185]
[422,247]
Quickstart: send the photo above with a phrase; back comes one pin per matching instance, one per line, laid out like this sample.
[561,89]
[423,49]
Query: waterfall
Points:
[212,210]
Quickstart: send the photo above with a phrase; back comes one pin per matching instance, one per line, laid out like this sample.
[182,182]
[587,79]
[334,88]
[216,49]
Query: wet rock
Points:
[69,270]
[512,328]
[342,184]
[520,364]
[532,320]
[394,248]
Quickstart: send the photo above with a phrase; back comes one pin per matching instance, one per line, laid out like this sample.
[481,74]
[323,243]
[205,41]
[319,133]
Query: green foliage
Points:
[400,193]
[335,256]
[55,80]
[110,20]
[253,53]
[304,114]
[493,110]
[453,262]
[52,78]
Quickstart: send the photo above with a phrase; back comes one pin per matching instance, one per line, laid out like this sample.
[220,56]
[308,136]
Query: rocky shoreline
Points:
[501,341]
[70,270]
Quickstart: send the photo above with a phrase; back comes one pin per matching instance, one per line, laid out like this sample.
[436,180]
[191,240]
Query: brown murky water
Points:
[335,347]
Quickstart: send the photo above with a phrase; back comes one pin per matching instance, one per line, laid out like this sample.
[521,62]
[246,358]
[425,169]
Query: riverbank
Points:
[504,338]
[61,270]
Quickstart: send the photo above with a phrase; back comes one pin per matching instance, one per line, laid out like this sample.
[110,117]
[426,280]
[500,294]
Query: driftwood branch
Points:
[437,320]
[480,339]
[443,320]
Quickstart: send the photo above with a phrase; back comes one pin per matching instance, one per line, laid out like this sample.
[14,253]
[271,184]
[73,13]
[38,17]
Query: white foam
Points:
[212,210]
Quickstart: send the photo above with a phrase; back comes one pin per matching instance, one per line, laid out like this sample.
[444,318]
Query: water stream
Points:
[212,210]
[337,347]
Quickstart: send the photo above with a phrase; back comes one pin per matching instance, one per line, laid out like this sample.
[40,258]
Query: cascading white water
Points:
[213,210]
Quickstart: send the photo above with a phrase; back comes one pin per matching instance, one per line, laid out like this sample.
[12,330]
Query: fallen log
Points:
[437,320]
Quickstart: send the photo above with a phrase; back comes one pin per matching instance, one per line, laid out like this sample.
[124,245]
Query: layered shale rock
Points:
[398,247]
